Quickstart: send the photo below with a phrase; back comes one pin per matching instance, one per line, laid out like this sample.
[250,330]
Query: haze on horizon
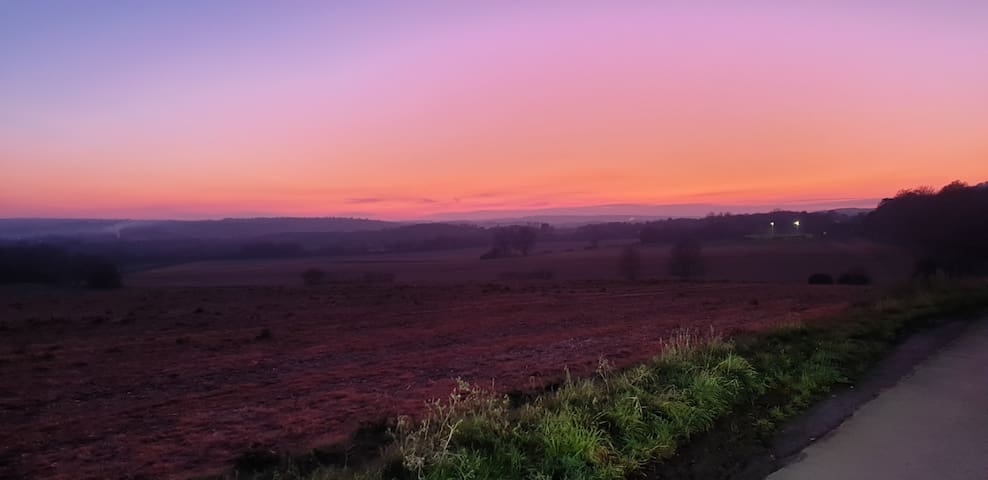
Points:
[391,110]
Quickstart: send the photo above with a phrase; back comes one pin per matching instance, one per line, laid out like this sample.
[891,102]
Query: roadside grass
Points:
[622,422]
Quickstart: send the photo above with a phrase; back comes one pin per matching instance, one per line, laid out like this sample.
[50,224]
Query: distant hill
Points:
[228,228]
[850,212]
[134,244]
[576,216]
[23,228]
[566,221]
[247,228]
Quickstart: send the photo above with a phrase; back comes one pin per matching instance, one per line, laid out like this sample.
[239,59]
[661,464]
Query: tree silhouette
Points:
[313,276]
[514,238]
[686,259]
[630,263]
[946,230]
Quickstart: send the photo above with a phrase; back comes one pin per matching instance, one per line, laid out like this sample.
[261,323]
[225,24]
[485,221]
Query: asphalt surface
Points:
[931,425]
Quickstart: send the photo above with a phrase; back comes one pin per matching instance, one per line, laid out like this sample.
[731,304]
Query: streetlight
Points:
[796,224]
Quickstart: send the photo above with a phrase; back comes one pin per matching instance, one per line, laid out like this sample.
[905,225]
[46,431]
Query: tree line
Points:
[45,264]
[946,229]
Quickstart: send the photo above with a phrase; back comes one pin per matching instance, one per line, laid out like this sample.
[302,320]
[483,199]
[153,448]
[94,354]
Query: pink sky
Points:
[378,109]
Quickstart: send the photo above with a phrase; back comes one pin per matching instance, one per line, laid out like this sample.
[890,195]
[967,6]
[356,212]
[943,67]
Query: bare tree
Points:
[630,263]
[686,259]
[514,238]
[524,239]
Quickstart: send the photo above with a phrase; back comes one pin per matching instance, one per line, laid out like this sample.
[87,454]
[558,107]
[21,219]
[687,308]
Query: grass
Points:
[619,423]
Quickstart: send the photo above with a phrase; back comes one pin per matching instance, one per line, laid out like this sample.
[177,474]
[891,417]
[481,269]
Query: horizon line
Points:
[561,211]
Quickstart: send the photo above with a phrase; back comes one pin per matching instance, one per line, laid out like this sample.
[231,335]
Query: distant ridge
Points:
[175,229]
[642,212]
[228,228]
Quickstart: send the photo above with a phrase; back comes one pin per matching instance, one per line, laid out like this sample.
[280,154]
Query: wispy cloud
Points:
[364,200]
[394,200]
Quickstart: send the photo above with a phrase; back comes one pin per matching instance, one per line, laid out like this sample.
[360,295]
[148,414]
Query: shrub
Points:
[513,238]
[313,276]
[265,334]
[492,254]
[256,460]
[630,263]
[49,265]
[821,279]
[608,426]
[855,276]
[686,259]
[925,268]
[102,274]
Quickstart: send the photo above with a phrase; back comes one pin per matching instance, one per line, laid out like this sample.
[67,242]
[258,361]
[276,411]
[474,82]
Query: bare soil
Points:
[176,382]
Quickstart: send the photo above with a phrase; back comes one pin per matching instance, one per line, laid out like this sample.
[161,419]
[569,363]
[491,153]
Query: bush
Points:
[492,254]
[821,279]
[608,426]
[925,268]
[513,238]
[313,276]
[630,263]
[45,264]
[854,277]
[256,460]
[686,259]
[103,275]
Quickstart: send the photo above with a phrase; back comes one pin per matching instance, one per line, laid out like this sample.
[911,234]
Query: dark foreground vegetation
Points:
[43,264]
[734,393]
[947,229]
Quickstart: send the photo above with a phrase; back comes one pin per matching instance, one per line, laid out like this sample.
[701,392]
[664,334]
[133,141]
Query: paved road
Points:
[932,425]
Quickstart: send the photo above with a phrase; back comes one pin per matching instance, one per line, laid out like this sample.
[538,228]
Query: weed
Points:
[618,422]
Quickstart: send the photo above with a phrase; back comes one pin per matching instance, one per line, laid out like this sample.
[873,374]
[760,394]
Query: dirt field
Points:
[175,382]
[753,261]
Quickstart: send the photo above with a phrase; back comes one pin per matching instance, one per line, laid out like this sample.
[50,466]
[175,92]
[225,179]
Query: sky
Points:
[401,110]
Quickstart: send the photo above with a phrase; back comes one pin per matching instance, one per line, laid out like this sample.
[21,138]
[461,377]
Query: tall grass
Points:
[616,422]
[603,427]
